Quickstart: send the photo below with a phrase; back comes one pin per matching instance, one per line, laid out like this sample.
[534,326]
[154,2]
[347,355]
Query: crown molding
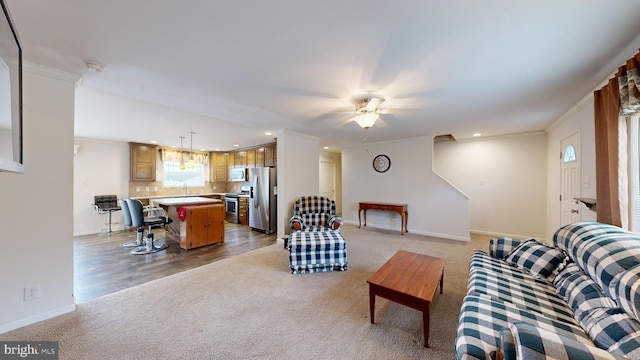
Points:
[52,73]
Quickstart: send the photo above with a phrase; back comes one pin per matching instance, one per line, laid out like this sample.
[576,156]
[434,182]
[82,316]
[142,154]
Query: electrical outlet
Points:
[31,292]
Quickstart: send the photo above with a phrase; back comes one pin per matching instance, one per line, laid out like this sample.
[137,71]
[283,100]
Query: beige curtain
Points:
[613,104]
[177,156]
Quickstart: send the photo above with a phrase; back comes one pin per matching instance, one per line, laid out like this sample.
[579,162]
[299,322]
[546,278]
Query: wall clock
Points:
[381,163]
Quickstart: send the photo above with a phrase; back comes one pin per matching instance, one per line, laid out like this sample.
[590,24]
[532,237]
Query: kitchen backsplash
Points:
[154,188]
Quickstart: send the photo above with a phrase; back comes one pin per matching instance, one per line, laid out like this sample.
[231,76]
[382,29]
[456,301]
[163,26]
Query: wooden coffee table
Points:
[409,279]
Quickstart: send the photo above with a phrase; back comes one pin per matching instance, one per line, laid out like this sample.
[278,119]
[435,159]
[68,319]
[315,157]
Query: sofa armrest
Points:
[296,223]
[531,342]
[500,247]
[335,222]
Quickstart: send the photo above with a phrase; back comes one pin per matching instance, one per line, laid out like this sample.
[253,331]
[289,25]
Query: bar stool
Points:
[138,220]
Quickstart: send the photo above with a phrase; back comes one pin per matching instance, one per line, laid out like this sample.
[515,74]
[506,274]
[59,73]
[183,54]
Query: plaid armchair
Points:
[314,213]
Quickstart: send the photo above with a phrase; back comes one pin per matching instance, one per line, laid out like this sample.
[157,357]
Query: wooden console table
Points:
[399,208]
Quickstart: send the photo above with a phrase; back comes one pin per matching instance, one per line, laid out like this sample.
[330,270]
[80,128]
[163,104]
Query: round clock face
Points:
[381,163]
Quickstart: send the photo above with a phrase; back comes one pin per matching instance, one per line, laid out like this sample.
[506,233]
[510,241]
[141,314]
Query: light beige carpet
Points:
[250,307]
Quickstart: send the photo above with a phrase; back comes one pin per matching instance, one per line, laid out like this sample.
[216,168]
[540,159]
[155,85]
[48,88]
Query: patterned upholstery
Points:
[501,247]
[321,251]
[587,308]
[315,213]
[536,258]
[532,342]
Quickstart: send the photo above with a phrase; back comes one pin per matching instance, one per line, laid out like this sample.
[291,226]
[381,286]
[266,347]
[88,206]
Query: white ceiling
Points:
[495,67]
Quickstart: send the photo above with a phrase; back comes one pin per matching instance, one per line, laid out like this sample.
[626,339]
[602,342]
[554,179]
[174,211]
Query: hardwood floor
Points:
[103,266]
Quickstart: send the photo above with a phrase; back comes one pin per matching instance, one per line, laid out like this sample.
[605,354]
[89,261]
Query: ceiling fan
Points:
[368,111]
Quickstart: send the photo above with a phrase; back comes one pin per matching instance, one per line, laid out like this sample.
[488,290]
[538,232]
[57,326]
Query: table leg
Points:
[365,216]
[401,222]
[372,303]
[406,221]
[425,324]
[359,221]
[441,281]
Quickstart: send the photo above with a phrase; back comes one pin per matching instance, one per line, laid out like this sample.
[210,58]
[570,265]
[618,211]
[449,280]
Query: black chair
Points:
[126,216]
[106,204]
[137,210]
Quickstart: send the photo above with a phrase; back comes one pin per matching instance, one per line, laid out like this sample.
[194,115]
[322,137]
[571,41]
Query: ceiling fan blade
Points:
[373,103]
[345,122]
[342,110]
[397,111]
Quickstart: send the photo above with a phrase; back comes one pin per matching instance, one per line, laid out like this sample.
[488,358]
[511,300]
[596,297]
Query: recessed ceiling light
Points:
[153,141]
[217,149]
[236,145]
[173,146]
[268,133]
[326,147]
[203,149]
[477,134]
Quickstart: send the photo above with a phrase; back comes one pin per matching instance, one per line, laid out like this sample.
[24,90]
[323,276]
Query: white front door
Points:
[328,179]
[570,187]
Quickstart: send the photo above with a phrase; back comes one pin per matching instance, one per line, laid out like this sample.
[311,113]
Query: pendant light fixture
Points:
[192,159]
[181,154]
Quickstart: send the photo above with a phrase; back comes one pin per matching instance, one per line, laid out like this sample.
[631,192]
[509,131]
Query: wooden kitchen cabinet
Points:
[251,158]
[142,161]
[243,210]
[270,156]
[218,166]
[240,159]
[260,157]
[202,225]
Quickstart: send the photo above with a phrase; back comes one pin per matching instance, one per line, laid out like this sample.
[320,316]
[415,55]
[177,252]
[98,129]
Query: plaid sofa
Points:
[315,213]
[579,299]
[319,251]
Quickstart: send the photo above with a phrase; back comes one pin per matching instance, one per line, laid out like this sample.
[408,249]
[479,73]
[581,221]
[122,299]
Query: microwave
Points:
[239,174]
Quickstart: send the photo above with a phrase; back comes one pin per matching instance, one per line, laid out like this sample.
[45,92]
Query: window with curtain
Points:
[616,110]
[173,176]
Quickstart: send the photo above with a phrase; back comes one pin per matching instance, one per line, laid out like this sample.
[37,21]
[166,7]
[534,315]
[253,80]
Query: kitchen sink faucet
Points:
[185,187]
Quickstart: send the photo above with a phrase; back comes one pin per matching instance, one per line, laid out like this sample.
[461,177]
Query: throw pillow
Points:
[535,257]
[501,247]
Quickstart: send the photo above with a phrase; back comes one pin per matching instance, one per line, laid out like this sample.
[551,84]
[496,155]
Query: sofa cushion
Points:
[482,262]
[481,321]
[607,254]
[535,257]
[627,290]
[524,295]
[616,331]
[500,247]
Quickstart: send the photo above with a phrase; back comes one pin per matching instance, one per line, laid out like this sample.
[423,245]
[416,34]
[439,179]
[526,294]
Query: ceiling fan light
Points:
[366,120]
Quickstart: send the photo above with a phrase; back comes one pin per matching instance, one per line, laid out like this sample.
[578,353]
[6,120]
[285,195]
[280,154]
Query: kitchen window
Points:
[174,177]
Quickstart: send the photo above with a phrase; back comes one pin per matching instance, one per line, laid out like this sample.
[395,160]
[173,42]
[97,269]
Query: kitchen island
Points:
[196,221]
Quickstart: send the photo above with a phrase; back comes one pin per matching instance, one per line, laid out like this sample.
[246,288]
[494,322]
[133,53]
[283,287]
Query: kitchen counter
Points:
[176,196]
[184,201]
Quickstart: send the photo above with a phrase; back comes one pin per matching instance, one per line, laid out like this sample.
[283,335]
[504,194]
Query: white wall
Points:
[100,168]
[37,215]
[298,173]
[581,120]
[505,178]
[435,207]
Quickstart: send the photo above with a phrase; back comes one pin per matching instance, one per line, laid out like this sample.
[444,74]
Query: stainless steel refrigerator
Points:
[262,199]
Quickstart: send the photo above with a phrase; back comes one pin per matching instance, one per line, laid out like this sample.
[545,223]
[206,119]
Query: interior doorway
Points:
[330,184]
[328,179]
[570,159]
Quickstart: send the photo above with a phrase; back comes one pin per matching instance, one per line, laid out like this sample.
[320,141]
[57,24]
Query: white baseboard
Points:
[36,318]
[426,233]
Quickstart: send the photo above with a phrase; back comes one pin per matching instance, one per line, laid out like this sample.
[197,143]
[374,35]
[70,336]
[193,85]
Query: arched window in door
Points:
[569,154]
